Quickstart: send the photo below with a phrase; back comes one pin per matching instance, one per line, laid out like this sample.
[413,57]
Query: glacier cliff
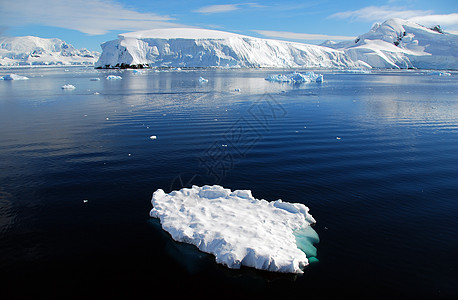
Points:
[190,47]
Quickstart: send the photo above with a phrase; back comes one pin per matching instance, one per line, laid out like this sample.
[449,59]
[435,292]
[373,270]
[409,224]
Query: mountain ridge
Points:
[31,50]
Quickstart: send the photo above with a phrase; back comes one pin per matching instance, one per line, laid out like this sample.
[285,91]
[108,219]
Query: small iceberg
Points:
[113,77]
[94,79]
[68,87]
[296,77]
[202,80]
[439,73]
[13,77]
[238,229]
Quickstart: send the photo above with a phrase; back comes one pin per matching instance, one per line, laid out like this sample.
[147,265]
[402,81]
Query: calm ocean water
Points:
[374,157]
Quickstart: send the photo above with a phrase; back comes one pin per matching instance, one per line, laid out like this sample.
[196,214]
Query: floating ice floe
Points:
[201,79]
[238,229]
[153,137]
[94,79]
[296,77]
[68,87]
[438,73]
[13,77]
[113,77]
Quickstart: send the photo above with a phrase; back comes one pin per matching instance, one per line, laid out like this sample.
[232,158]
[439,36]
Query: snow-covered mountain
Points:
[31,50]
[190,47]
[398,43]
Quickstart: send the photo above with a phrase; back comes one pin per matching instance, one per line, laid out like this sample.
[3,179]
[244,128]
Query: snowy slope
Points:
[31,50]
[190,47]
[397,43]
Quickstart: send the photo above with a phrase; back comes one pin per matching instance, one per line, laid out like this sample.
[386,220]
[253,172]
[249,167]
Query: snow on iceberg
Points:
[296,77]
[113,77]
[13,77]
[237,228]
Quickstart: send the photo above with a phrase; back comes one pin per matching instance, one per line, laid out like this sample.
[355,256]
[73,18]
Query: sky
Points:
[88,23]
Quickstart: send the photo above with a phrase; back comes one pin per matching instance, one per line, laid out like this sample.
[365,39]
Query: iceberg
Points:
[13,77]
[68,87]
[438,73]
[202,80]
[238,229]
[113,77]
[194,47]
[296,77]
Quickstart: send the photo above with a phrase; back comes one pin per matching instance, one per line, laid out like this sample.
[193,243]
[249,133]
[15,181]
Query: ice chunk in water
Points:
[238,228]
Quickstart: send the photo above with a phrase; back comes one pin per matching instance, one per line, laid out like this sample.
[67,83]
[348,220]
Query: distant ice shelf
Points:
[238,229]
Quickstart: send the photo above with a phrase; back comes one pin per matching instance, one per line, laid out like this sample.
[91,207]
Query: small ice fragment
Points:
[224,145]
[202,80]
[107,119]
[113,77]
[153,137]
[237,90]
[94,79]
[96,93]
[338,138]
[438,73]
[130,154]
[85,201]
[68,87]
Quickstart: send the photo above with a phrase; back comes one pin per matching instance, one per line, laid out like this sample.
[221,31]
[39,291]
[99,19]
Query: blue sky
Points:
[87,24]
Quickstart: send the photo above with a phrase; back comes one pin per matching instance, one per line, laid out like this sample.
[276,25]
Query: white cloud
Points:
[220,8]
[211,9]
[302,36]
[379,13]
[382,13]
[445,21]
[92,17]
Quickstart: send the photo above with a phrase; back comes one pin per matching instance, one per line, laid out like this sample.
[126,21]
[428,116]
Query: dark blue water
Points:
[374,157]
